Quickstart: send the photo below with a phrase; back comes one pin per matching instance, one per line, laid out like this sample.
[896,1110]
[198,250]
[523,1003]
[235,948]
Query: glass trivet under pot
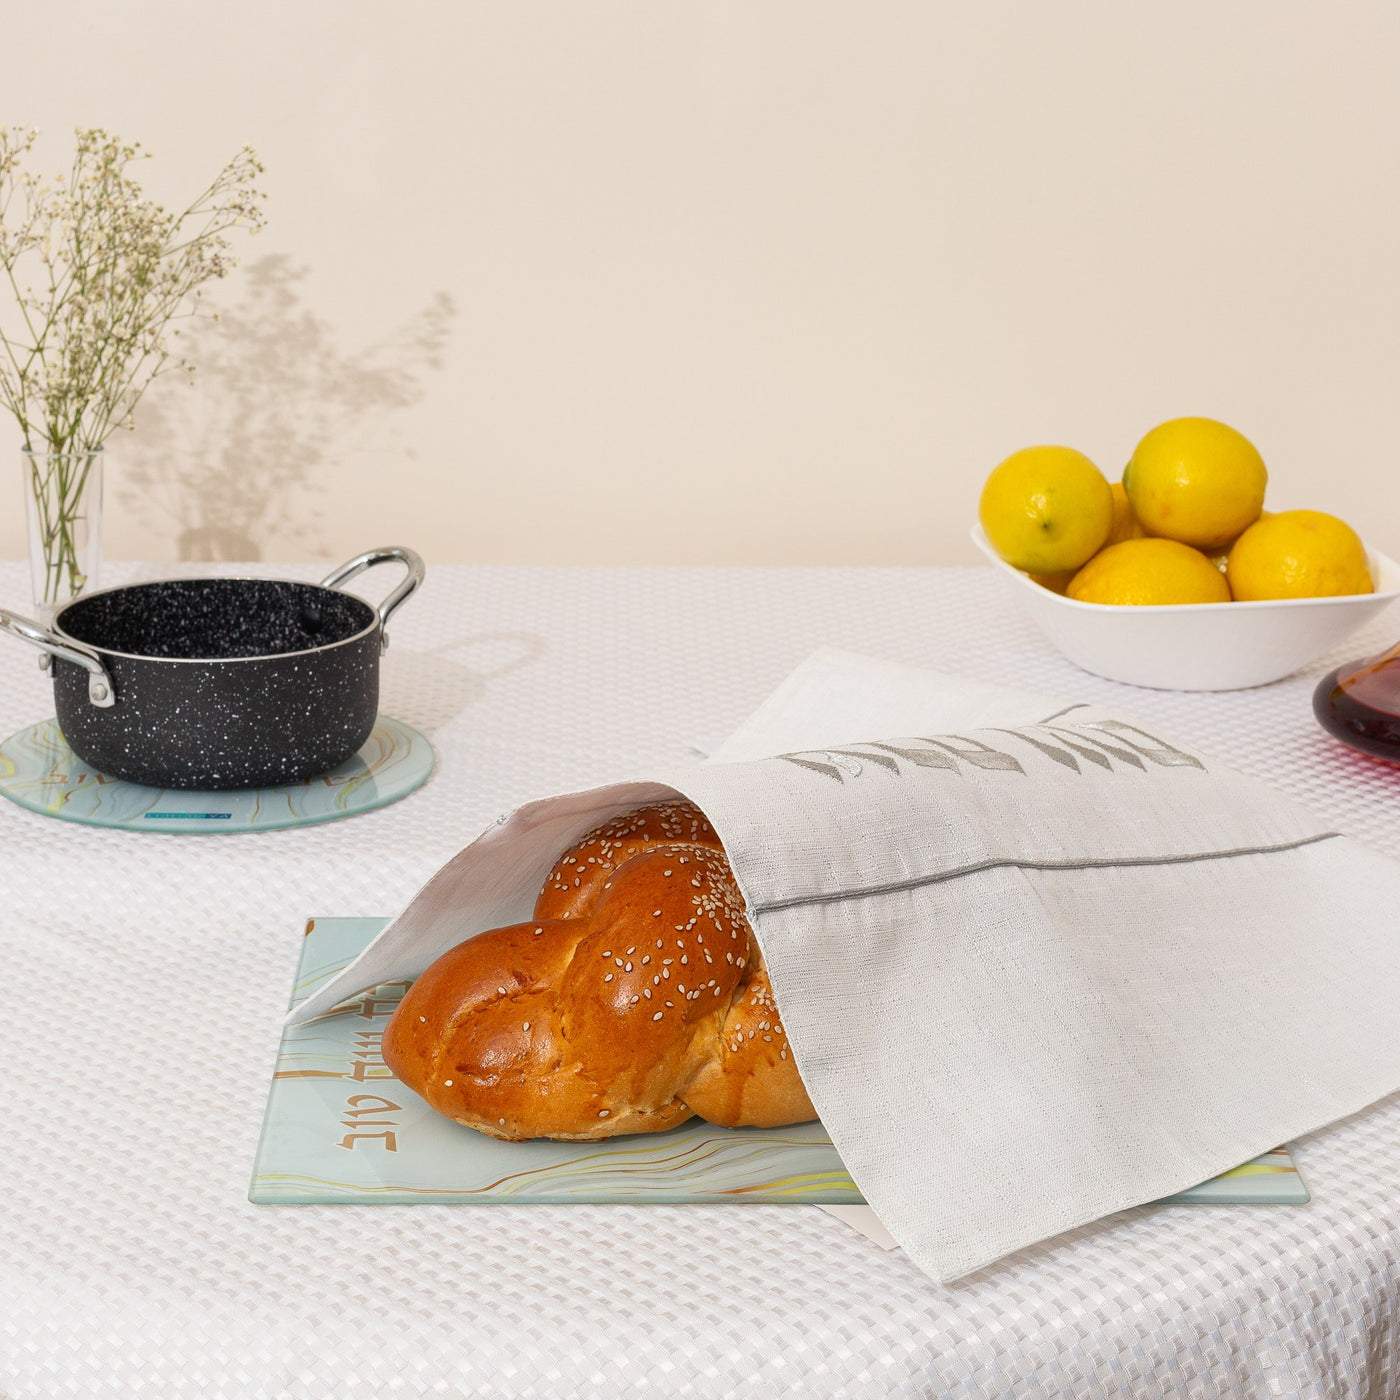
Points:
[39,771]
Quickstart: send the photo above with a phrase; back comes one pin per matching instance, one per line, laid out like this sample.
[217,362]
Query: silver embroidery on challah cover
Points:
[1033,958]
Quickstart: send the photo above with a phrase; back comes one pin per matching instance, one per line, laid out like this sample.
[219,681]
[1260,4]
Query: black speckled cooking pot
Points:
[219,682]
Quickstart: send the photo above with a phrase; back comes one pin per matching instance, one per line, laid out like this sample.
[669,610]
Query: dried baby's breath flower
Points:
[96,274]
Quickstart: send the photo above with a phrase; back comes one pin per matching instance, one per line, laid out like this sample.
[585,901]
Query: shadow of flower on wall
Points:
[233,461]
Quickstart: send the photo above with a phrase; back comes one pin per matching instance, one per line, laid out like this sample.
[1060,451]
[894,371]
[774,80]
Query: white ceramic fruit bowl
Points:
[1199,646]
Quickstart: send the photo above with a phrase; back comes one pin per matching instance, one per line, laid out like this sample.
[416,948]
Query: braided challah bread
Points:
[635,998]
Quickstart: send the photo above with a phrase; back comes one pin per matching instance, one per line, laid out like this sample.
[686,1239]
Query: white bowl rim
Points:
[1374,556]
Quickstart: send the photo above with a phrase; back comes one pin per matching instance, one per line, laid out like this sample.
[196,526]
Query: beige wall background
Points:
[739,282]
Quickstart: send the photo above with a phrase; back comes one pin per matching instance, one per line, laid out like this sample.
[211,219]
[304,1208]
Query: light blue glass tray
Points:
[339,1128]
[39,771]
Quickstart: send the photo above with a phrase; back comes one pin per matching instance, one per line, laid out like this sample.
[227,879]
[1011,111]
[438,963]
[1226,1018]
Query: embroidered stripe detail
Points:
[1009,862]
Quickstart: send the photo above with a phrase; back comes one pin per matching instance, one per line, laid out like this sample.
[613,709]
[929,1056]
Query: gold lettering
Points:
[361,1070]
[391,1143]
[369,1006]
[355,1104]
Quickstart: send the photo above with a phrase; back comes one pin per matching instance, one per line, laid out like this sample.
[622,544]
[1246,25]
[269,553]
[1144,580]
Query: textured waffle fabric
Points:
[132,1265]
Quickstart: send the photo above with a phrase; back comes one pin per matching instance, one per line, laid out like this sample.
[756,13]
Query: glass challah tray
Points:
[339,1128]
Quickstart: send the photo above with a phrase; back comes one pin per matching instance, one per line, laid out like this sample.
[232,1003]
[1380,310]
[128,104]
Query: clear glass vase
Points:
[63,507]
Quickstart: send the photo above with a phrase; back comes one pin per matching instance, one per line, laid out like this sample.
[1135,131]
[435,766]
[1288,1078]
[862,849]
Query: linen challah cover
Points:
[1033,959]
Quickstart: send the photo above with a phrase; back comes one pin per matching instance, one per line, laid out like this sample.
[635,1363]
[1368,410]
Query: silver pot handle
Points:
[410,559]
[101,691]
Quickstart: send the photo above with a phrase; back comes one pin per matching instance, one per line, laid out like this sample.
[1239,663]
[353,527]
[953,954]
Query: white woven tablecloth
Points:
[131,1263]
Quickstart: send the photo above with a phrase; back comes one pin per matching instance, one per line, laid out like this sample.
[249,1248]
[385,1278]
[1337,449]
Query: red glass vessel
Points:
[1360,705]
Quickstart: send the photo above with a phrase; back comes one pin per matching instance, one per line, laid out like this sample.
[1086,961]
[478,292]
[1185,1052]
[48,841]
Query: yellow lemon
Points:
[1298,554]
[1197,481]
[1046,509]
[1221,557]
[1056,583]
[1126,526]
[1149,572]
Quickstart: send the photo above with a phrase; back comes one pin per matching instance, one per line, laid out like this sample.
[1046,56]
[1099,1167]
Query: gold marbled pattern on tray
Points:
[39,771]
